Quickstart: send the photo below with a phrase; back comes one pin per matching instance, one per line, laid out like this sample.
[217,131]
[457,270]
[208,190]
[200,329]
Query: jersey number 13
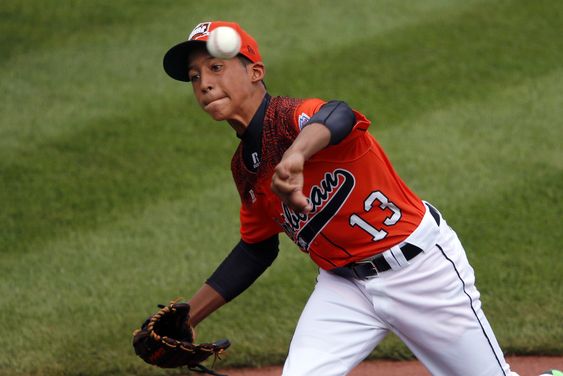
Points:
[384,203]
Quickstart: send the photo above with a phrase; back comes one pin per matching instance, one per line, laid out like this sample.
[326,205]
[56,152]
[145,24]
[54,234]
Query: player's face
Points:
[221,87]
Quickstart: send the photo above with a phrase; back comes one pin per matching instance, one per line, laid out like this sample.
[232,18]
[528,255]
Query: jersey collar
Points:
[254,129]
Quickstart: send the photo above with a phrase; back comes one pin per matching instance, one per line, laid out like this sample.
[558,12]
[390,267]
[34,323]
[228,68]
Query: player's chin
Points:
[218,116]
[218,113]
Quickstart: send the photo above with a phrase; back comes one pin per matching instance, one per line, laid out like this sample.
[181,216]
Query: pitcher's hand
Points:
[287,182]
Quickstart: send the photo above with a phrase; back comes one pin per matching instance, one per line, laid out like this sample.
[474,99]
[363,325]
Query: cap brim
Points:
[175,61]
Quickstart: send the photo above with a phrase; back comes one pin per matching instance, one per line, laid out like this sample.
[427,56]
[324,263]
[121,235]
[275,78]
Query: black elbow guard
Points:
[338,117]
[243,266]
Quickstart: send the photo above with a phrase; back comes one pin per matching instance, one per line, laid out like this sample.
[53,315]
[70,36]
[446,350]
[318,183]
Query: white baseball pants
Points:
[430,302]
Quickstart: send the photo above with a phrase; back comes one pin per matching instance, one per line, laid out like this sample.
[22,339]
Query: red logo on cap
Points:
[200,31]
[250,50]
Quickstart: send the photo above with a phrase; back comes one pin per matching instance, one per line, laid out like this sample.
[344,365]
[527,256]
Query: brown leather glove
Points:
[166,340]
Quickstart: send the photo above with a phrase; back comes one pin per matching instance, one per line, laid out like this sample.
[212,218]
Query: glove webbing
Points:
[200,368]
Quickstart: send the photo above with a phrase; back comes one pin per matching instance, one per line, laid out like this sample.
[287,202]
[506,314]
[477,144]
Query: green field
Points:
[116,194]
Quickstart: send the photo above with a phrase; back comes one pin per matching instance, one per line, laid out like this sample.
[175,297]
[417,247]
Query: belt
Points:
[377,264]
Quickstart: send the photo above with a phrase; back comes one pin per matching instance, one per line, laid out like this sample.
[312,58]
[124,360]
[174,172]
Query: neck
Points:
[249,108]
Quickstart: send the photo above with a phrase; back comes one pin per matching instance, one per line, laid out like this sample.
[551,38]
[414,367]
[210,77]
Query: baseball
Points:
[224,42]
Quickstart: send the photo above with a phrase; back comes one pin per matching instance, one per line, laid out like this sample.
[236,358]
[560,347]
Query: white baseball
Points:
[223,42]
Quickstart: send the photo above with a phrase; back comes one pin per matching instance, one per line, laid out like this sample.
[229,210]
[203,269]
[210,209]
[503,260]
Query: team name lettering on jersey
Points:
[326,199]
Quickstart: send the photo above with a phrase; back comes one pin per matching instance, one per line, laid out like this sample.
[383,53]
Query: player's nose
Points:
[206,83]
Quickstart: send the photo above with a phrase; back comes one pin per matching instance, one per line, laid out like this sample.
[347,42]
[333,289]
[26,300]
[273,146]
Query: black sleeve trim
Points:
[243,266]
[338,117]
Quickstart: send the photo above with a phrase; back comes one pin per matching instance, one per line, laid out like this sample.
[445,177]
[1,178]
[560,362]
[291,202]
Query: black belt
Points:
[378,264]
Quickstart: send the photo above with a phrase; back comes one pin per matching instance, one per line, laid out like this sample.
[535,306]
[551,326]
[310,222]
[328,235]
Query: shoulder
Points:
[297,110]
[282,110]
[306,109]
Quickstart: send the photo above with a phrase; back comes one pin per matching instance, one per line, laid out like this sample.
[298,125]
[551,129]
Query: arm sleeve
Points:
[338,117]
[243,266]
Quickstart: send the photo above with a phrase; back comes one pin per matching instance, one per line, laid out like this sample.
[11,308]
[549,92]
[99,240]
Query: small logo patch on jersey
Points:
[303,119]
[255,160]
[252,196]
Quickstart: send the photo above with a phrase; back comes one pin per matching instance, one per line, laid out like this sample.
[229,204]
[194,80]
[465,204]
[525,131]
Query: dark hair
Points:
[244,60]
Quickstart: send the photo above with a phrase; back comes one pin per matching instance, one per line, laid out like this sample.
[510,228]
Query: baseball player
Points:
[388,261]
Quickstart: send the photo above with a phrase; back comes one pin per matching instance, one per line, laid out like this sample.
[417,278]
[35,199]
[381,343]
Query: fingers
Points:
[288,187]
[283,186]
[298,202]
[287,182]
[282,171]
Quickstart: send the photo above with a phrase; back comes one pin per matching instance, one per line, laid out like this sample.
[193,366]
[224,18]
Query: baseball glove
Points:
[166,340]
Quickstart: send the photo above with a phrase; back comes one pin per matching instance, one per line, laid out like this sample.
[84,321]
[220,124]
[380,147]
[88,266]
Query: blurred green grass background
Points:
[116,194]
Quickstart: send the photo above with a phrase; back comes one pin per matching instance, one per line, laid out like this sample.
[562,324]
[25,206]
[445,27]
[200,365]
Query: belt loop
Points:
[399,256]
[391,259]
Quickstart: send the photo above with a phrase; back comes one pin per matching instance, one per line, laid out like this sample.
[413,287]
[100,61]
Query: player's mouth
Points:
[207,106]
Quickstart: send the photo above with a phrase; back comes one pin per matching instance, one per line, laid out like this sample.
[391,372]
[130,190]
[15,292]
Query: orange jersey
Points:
[360,205]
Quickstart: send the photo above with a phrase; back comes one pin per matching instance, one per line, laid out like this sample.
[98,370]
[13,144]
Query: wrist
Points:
[203,303]
[296,153]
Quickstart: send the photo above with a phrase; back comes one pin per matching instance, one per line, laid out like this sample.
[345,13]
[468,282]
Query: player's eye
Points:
[216,67]
[193,76]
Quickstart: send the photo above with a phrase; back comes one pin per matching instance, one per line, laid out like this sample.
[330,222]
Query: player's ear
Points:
[257,72]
